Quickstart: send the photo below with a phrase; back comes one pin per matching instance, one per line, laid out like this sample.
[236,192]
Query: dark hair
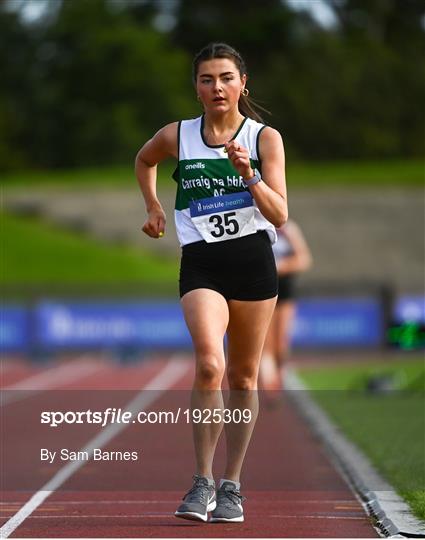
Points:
[247,106]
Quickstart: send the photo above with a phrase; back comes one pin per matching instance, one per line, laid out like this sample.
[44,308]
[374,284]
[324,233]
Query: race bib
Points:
[224,217]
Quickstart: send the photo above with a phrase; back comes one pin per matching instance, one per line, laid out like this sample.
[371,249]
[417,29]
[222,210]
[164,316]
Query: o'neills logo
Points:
[198,165]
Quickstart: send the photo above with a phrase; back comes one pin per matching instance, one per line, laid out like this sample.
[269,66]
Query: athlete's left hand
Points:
[239,156]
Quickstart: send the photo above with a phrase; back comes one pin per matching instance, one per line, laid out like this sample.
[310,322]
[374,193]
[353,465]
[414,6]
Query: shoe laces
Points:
[198,490]
[228,496]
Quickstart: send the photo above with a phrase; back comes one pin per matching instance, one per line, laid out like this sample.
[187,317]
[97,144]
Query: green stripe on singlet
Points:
[202,178]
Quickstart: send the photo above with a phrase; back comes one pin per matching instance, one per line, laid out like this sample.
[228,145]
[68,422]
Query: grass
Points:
[34,253]
[110,176]
[389,427]
[407,374]
[405,173]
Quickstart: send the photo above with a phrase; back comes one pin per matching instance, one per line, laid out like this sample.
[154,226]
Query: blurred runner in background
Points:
[292,256]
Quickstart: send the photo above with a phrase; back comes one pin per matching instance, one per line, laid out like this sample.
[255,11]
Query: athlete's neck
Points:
[221,125]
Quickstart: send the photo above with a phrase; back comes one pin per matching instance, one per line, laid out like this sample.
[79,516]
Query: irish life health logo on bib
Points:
[225,217]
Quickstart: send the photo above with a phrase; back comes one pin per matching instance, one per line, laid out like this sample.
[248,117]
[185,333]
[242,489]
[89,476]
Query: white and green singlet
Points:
[212,202]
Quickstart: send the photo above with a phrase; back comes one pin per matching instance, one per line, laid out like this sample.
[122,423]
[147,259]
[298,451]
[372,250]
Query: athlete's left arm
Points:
[270,195]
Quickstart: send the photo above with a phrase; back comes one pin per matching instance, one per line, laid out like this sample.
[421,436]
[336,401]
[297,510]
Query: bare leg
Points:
[206,314]
[285,315]
[247,330]
[268,372]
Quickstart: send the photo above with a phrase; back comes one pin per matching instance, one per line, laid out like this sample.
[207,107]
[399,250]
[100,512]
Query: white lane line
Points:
[301,516]
[49,376]
[47,380]
[102,516]
[170,514]
[165,379]
[85,503]
[354,504]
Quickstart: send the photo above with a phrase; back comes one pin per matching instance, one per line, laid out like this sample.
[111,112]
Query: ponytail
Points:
[248,107]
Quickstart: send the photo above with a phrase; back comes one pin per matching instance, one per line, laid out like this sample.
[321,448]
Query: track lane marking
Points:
[102,516]
[170,515]
[301,516]
[52,378]
[165,379]
[14,506]
[49,376]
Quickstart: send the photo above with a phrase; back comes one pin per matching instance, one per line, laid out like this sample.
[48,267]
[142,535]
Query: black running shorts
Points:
[239,269]
[286,288]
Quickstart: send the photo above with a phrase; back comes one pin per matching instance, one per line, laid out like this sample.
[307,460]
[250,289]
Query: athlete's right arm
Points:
[162,145]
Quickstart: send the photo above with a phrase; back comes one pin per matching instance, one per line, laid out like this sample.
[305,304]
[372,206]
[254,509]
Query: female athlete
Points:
[230,197]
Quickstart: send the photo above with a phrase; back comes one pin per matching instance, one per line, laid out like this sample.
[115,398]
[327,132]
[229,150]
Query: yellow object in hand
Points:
[160,234]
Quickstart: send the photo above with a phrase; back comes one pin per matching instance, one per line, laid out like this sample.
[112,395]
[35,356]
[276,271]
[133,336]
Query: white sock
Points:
[237,484]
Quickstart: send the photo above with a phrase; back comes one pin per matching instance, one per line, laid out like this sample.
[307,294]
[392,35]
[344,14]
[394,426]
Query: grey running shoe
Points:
[229,504]
[198,501]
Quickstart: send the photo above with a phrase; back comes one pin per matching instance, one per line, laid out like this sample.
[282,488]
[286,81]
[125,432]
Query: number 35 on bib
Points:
[225,217]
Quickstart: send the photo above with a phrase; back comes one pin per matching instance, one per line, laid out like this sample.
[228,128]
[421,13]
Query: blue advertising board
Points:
[158,324]
[338,322]
[320,322]
[14,328]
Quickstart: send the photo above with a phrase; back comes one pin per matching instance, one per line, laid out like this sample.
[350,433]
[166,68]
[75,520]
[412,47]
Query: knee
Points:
[209,371]
[242,379]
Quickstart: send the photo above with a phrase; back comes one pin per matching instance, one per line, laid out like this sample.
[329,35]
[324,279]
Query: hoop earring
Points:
[198,98]
[245,92]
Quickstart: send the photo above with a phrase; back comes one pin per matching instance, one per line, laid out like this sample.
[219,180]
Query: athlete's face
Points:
[219,84]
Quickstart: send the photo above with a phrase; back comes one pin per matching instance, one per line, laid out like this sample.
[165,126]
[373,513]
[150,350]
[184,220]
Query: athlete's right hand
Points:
[154,226]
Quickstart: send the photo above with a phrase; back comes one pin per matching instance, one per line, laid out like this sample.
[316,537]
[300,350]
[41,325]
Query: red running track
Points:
[292,488]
